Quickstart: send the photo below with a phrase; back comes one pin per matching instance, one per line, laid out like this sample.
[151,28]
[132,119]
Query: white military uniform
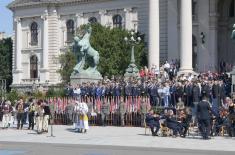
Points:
[83,108]
[76,116]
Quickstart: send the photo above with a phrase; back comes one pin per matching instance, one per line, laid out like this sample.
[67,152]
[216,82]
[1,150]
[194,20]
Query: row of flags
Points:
[132,104]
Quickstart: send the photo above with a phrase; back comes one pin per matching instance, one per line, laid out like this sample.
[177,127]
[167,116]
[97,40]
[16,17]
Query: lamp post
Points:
[232,74]
[132,70]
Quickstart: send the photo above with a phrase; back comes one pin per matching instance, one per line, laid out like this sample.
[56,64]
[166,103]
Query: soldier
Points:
[153,92]
[69,111]
[122,111]
[203,115]
[83,118]
[76,116]
[6,114]
[143,111]
[32,109]
[105,111]
[39,116]
[46,116]
[20,114]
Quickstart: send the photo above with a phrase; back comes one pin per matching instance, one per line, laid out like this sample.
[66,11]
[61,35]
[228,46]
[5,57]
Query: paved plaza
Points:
[116,137]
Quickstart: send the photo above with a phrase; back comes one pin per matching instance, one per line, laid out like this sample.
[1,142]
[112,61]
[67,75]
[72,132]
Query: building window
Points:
[34,34]
[70,30]
[194,9]
[92,20]
[33,67]
[117,21]
[232,9]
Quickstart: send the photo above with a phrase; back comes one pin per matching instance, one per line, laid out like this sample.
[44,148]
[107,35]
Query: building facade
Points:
[196,32]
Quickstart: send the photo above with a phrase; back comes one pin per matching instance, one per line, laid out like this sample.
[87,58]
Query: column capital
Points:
[103,12]
[126,10]
[44,17]
[79,15]
[17,19]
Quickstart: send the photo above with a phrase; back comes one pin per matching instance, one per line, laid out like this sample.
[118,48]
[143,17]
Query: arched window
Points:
[117,21]
[92,20]
[34,34]
[70,30]
[33,67]
[232,9]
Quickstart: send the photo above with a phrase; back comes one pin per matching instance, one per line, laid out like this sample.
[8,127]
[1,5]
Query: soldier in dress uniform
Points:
[203,115]
[143,111]
[83,118]
[32,109]
[105,111]
[39,116]
[122,111]
[46,116]
[20,114]
[6,114]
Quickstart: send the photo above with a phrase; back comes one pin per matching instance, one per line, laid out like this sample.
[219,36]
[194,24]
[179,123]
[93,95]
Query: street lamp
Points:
[132,70]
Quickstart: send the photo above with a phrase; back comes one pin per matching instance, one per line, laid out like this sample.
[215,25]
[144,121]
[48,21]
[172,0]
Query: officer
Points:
[6,114]
[171,123]
[105,111]
[32,109]
[46,116]
[143,111]
[20,114]
[122,111]
[39,116]
[153,92]
[203,115]
[152,120]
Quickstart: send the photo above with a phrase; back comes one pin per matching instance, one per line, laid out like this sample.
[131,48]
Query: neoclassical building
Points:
[196,32]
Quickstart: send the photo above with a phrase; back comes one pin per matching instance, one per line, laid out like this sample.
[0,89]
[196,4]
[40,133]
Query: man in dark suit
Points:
[203,114]
[152,120]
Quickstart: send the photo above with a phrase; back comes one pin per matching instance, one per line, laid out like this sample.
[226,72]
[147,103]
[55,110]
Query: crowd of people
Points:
[21,113]
[204,100]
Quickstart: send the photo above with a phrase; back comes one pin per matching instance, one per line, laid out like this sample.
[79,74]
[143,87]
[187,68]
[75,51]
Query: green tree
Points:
[6,60]
[114,52]
[68,62]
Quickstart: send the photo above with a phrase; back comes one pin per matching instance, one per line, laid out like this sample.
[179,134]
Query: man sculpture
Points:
[83,49]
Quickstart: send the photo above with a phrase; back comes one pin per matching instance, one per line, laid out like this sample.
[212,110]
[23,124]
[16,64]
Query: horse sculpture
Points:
[84,50]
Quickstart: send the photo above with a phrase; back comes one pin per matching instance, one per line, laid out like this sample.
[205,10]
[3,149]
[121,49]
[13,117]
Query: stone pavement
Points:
[117,136]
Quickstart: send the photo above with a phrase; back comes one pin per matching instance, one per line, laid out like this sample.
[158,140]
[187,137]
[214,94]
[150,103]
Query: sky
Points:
[5,18]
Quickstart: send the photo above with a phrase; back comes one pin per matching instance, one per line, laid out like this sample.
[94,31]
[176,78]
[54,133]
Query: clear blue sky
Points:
[5,17]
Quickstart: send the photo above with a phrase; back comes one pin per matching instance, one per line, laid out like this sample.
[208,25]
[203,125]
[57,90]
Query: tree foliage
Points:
[6,60]
[115,53]
[68,62]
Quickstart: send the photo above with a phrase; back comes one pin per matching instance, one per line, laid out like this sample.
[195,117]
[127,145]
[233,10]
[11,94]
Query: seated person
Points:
[186,118]
[172,124]
[152,120]
[219,121]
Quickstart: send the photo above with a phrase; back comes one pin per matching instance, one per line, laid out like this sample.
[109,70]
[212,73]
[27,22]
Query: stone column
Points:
[128,19]
[44,76]
[17,73]
[80,19]
[186,37]
[18,44]
[103,18]
[213,31]
[153,55]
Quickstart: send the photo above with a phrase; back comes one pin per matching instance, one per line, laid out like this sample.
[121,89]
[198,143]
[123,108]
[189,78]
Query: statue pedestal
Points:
[80,78]
[132,71]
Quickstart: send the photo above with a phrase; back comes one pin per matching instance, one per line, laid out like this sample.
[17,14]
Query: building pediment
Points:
[24,3]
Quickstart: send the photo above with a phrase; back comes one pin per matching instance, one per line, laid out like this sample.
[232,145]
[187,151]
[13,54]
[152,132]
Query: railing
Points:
[30,81]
